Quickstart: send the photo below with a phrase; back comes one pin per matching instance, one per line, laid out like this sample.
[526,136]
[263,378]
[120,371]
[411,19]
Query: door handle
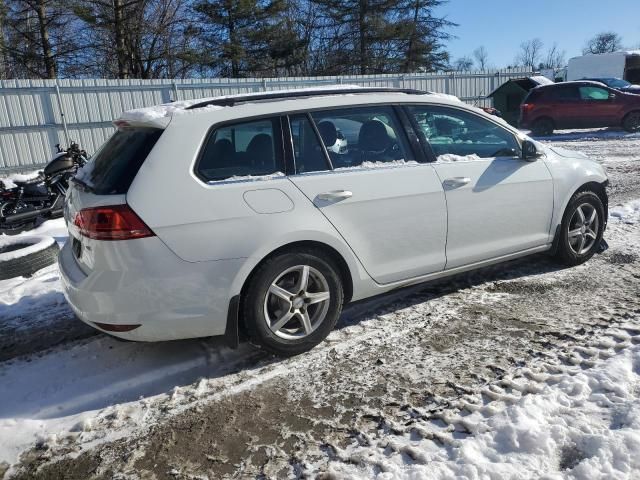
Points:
[335,196]
[456,182]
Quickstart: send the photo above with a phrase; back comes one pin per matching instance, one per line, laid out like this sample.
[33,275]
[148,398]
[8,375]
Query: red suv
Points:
[579,105]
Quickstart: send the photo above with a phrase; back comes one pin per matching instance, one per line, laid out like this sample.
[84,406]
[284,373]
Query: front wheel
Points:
[582,228]
[292,302]
[631,122]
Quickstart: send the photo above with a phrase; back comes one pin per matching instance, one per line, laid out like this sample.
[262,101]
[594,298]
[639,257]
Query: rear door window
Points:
[357,135]
[245,149]
[113,168]
[564,94]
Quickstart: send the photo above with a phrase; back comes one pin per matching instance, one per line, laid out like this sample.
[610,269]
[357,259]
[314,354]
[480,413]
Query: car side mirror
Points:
[612,96]
[529,151]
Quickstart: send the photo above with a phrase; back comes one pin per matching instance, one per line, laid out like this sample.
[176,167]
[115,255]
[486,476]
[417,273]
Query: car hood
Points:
[566,153]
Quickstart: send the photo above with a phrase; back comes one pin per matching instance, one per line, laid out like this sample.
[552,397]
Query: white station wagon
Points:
[264,214]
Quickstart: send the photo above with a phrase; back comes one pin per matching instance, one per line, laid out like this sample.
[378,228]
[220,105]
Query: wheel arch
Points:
[235,323]
[597,187]
[600,189]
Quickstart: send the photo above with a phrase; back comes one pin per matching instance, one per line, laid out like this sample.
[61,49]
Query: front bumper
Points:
[171,299]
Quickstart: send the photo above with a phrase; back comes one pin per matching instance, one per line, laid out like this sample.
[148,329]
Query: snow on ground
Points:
[583,424]
[91,391]
[104,389]
[34,314]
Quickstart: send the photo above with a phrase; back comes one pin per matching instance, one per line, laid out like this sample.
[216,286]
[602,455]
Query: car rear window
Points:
[113,168]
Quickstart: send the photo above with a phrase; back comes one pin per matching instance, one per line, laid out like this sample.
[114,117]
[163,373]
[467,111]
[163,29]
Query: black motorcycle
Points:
[40,197]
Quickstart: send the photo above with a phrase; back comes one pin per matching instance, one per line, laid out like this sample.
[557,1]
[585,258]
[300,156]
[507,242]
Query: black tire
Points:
[543,127]
[16,228]
[255,302]
[567,253]
[631,122]
[13,264]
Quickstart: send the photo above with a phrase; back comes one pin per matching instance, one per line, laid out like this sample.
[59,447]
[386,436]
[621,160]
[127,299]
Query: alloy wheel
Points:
[297,302]
[583,228]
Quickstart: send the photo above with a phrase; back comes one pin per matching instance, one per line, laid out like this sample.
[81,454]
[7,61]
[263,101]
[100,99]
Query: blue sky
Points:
[501,25]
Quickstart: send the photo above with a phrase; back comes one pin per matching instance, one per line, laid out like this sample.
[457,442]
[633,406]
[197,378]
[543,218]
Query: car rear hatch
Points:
[95,208]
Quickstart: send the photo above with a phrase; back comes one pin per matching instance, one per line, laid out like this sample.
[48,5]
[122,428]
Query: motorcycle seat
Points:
[30,181]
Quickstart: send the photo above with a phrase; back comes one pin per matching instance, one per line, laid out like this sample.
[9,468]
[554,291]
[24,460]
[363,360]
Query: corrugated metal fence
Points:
[34,113]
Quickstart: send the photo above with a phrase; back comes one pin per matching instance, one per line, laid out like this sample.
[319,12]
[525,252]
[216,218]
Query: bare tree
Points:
[530,53]
[463,64]
[555,58]
[482,57]
[603,42]
[136,38]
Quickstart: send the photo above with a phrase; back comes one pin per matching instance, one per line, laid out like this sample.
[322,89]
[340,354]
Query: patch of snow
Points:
[446,96]
[372,165]
[34,244]
[9,182]
[581,424]
[159,113]
[541,80]
[244,178]
[626,213]
[451,158]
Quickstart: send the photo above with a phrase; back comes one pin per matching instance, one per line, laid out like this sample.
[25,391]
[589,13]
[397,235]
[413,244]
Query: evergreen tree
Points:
[422,36]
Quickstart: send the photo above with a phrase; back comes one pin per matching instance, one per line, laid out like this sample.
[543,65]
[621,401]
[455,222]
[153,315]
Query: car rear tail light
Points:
[526,107]
[117,222]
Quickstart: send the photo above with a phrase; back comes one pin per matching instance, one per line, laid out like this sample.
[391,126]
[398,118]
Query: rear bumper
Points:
[169,298]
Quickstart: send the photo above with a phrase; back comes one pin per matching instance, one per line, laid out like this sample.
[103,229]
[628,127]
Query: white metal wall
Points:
[33,112]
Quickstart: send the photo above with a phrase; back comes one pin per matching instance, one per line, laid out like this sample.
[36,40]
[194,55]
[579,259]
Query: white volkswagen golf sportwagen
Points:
[240,214]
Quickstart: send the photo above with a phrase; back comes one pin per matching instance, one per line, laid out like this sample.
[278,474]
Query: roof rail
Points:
[231,101]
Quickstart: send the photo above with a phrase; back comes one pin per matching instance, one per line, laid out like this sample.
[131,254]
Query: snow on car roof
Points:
[160,115]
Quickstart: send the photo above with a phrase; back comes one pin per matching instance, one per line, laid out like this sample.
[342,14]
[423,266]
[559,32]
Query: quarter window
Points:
[244,149]
[353,136]
[455,132]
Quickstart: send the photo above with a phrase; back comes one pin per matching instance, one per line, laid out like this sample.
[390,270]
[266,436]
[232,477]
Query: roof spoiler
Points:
[231,101]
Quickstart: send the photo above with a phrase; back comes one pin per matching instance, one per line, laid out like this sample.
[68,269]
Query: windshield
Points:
[616,82]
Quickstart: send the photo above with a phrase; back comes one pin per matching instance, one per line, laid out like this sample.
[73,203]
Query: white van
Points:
[623,64]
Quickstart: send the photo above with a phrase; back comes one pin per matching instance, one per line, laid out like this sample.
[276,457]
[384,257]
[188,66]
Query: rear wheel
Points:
[292,302]
[582,228]
[631,122]
[542,127]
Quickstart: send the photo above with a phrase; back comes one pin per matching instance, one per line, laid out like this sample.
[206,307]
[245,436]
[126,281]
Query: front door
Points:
[497,203]
[598,107]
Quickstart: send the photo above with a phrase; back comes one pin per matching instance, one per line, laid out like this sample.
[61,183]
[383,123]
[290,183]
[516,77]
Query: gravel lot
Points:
[398,373]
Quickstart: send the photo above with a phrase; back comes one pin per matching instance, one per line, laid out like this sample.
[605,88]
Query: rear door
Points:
[564,106]
[388,207]
[105,180]
[497,203]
